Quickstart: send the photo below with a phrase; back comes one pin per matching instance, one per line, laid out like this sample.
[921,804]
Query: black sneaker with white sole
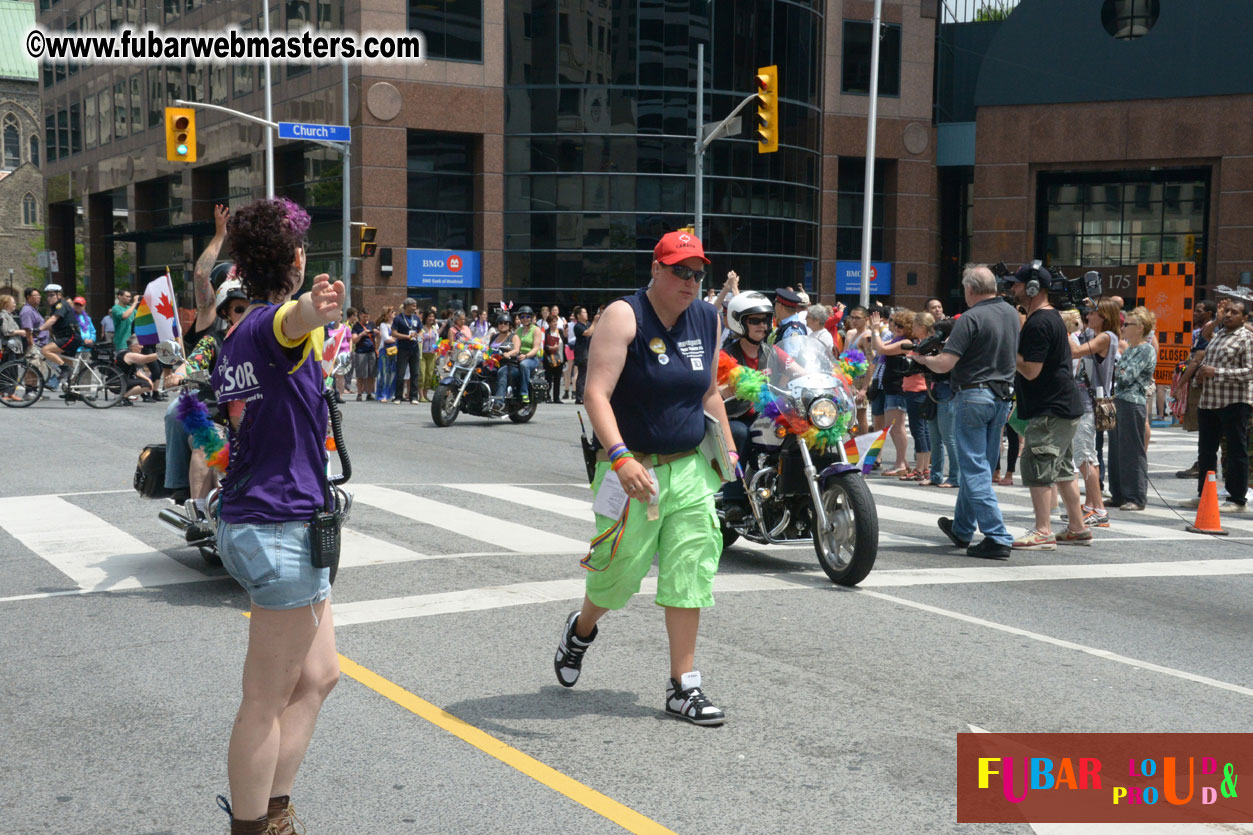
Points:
[570,649]
[686,700]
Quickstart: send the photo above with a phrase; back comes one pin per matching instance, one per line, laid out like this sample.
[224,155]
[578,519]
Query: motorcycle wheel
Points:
[209,554]
[521,414]
[729,536]
[442,410]
[847,552]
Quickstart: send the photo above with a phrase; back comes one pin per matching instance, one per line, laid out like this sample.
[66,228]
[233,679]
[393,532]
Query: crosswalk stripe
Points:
[1118,524]
[94,554]
[533,499]
[510,536]
[555,591]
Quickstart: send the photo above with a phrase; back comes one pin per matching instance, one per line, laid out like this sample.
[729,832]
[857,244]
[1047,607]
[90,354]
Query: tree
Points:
[992,10]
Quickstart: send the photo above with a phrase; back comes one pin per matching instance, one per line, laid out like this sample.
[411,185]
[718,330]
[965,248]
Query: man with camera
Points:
[980,356]
[1048,400]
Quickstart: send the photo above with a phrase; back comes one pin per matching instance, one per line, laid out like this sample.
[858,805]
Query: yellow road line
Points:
[607,807]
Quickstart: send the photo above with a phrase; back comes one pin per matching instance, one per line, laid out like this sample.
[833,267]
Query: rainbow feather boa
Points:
[751,385]
[854,363]
[194,417]
[490,358]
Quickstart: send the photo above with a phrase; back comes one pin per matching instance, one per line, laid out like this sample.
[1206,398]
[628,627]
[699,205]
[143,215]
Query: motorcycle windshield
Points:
[803,368]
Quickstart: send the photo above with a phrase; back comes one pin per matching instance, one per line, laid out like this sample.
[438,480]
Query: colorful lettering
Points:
[1089,768]
[1041,773]
[985,770]
[1168,781]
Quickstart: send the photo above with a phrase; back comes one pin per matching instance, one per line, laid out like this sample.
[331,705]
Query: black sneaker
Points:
[1191,472]
[990,549]
[686,700]
[570,649]
[945,524]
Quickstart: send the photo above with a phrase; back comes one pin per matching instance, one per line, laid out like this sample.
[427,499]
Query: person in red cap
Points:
[651,376]
[86,328]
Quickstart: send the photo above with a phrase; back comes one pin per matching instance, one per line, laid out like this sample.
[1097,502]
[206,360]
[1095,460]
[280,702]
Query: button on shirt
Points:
[1231,354]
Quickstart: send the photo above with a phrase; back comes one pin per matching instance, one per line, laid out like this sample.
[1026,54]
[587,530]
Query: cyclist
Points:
[62,326]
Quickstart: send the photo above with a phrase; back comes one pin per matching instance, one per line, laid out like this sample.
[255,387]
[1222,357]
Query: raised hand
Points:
[220,215]
[327,298]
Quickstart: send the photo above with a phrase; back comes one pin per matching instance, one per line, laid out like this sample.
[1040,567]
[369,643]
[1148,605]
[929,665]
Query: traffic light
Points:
[767,109]
[180,134]
[368,246]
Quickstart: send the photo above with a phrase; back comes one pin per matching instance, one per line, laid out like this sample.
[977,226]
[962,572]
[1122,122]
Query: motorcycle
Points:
[795,493]
[197,527]
[469,385]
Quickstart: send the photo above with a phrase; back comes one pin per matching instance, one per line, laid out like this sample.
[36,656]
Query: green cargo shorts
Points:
[1048,451]
[685,538]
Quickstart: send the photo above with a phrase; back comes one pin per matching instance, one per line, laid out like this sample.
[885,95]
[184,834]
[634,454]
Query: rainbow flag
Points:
[864,449]
[155,317]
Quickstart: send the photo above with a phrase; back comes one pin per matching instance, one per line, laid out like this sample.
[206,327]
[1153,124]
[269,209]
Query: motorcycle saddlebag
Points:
[150,473]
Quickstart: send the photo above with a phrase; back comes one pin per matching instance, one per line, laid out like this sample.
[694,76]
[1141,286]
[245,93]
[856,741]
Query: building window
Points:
[12,143]
[30,211]
[76,129]
[89,112]
[856,75]
[1127,20]
[850,206]
[34,150]
[441,191]
[453,28]
[50,136]
[1113,218]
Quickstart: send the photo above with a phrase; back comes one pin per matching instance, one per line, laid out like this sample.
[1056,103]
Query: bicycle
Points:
[84,377]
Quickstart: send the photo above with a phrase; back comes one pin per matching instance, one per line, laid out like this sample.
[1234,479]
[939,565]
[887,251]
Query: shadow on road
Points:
[493,713]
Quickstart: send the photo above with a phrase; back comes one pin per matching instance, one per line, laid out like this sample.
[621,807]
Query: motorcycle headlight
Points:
[462,357]
[823,413]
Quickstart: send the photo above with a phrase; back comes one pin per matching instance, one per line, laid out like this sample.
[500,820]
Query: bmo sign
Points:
[442,268]
[848,278]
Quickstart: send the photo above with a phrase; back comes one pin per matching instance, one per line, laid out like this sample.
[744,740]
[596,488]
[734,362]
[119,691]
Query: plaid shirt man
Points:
[1231,354]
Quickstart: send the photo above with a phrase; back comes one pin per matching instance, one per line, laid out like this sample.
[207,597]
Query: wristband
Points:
[617,451]
[620,461]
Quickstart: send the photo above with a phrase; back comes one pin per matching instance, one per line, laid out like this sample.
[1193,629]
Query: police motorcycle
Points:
[792,493]
[469,385]
[197,527]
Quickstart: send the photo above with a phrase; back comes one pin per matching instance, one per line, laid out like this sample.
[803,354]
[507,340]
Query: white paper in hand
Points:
[611,499]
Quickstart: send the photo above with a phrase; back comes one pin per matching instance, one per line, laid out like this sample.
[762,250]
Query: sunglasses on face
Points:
[687,273]
[757,320]
[239,308]
[525,316]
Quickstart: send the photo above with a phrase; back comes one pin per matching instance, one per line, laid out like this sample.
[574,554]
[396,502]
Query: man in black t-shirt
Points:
[1048,399]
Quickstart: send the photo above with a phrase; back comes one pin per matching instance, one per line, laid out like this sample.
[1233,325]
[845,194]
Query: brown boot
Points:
[260,826]
[283,818]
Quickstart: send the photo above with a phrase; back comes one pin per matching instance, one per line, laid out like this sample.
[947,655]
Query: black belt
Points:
[971,386]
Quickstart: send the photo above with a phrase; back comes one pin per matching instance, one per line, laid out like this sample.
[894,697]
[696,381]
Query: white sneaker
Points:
[1231,507]
[686,700]
[1192,503]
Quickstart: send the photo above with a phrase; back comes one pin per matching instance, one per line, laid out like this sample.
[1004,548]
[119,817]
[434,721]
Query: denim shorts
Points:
[895,401]
[272,563]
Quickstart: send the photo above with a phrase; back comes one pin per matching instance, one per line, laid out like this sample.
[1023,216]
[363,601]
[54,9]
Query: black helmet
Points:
[503,319]
[525,310]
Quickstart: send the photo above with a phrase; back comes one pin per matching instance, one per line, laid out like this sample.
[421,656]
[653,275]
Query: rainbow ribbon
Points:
[752,385]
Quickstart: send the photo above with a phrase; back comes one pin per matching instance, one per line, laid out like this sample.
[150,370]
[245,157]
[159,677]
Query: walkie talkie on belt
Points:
[589,450]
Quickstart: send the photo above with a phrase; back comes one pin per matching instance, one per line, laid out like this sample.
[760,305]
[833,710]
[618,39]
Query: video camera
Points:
[1066,293]
[929,347]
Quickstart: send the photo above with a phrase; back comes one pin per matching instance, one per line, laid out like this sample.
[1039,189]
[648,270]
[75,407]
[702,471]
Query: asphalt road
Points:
[122,651]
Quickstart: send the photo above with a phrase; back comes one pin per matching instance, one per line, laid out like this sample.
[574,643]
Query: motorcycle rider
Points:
[187,474]
[748,317]
[504,344]
[531,343]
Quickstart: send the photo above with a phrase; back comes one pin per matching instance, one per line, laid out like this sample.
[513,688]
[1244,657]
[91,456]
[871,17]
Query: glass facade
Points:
[441,190]
[1123,218]
[453,28]
[855,71]
[600,115]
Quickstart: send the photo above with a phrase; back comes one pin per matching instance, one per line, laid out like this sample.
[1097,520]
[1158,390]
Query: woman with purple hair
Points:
[269,383]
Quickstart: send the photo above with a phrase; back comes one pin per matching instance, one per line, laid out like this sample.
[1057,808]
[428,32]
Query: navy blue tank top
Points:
[658,401]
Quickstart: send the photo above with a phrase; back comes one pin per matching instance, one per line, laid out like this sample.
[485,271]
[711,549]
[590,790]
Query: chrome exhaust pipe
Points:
[175,521]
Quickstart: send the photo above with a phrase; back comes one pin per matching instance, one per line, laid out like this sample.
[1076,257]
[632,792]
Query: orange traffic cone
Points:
[1207,518]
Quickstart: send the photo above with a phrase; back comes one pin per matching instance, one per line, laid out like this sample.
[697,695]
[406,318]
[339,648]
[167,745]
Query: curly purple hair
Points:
[264,237]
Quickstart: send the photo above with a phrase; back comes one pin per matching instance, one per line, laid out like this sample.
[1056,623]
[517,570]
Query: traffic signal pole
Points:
[704,137]
[867,214]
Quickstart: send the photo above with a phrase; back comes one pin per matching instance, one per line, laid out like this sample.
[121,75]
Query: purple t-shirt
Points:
[277,469]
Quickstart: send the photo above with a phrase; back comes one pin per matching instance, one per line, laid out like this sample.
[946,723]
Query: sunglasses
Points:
[525,316]
[757,320]
[239,308]
[687,273]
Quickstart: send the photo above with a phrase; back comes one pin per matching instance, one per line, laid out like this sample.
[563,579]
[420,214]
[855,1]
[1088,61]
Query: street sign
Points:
[442,268]
[327,133]
[848,278]
[53,264]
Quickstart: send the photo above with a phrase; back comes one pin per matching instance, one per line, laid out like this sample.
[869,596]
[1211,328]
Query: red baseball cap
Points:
[80,300]
[677,246]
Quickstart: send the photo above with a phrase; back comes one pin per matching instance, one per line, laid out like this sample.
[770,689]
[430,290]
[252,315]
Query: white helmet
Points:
[747,304]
